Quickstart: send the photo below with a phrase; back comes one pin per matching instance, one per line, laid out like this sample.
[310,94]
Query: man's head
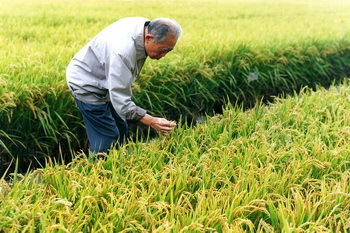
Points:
[161,36]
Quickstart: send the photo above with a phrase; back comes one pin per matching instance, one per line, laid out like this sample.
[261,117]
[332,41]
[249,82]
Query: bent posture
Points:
[100,76]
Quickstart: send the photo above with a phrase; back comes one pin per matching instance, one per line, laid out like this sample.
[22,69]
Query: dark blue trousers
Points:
[104,126]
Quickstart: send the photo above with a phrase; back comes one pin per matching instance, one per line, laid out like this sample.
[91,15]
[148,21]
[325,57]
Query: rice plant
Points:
[288,44]
[277,168]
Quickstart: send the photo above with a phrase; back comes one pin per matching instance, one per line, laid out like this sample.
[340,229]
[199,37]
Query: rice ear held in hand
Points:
[163,126]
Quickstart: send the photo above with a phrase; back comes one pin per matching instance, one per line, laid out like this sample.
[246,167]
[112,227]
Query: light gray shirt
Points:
[105,68]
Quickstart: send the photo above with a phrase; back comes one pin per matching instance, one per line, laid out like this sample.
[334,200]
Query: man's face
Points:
[159,50]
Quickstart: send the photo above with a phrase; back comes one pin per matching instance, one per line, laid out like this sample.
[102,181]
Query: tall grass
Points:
[291,44]
[277,168]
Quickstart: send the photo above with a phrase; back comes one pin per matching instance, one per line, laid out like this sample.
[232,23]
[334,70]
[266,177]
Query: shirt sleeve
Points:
[119,81]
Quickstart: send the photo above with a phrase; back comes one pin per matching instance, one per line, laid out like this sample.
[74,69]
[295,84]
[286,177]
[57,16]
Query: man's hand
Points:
[161,125]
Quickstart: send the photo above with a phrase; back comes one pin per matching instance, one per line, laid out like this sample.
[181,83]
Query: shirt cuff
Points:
[135,114]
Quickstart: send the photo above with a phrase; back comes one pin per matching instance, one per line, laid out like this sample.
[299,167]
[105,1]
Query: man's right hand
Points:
[161,125]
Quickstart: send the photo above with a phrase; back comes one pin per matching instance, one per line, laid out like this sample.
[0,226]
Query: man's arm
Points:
[120,79]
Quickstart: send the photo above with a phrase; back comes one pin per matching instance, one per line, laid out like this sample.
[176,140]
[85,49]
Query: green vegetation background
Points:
[281,167]
[290,44]
[278,168]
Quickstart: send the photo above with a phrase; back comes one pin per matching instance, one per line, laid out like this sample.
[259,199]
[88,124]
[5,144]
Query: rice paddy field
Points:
[270,78]
[278,168]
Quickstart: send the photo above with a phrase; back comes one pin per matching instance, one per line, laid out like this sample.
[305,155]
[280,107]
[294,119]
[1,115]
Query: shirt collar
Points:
[140,41]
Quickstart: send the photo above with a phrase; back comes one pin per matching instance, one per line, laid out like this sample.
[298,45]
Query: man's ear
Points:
[149,37]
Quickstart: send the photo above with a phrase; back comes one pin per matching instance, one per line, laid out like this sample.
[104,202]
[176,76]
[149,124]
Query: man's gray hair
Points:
[161,27]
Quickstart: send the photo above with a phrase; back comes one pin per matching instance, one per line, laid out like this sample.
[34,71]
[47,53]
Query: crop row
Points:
[277,168]
[41,120]
[238,53]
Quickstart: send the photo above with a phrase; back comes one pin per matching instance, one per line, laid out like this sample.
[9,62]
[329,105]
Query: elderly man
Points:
[100,76]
